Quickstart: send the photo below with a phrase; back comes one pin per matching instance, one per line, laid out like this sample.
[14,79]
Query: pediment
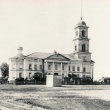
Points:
[58,57]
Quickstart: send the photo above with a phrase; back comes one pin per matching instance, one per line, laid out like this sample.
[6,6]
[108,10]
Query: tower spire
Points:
[81,11]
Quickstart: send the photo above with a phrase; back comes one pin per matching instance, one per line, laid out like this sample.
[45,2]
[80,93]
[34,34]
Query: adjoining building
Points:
[79,62]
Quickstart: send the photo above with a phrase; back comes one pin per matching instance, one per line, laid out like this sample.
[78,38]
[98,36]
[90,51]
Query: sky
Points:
[48,25]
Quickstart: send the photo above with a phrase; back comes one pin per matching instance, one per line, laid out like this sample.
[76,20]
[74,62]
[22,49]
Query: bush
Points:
[86,81]
[19,81]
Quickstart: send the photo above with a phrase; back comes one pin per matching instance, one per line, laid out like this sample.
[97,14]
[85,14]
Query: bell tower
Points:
[81,41]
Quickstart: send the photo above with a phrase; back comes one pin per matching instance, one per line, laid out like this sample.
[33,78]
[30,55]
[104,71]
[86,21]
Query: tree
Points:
[87,80]
[37,76]
[4,69]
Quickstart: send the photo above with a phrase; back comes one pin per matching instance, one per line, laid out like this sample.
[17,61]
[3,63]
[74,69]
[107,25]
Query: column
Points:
[24,69]
[16,68]
[67,69]
[53,68]
[92,72]
[61,68]
[46,65]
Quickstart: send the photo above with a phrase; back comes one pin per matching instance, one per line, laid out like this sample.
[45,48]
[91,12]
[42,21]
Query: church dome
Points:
[81,23]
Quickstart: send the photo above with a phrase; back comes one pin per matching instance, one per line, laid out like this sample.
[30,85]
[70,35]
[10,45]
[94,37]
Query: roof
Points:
[103,78]
[72,57]
[40,55]
[81,23]
[18,56]
[92,61]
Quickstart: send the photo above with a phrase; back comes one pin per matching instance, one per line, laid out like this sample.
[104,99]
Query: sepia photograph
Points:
[54,55]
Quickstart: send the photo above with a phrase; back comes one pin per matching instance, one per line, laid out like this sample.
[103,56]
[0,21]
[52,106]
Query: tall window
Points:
[35,67]
[20,65]
[75,47]
[29,75]
[69,68]
[30,66]
[83,47]
[49,67]
[56,67]
[63,67]
[84,69]
[20,75]
[78,68]
[83,33]
[40,67]
[73,68]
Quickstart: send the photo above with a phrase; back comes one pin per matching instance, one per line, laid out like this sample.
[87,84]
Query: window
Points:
[84,58]
[63,67]
[75,47]
[83,47]
[35,67]
[49,67]
[40,67]
[56,67]
[30,66]
[20,66]
[83,76]
[84,69]
[55,73]
[29,75]
[83,33]
[76,33]
[77,75]
[20,75]
[78,69]
[73,68]
[69,68]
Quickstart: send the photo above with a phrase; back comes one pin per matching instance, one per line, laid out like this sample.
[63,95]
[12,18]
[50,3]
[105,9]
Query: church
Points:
[78,62]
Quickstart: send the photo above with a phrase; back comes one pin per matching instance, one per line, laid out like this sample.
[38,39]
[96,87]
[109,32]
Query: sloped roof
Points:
[58,56]
[40,55]
[18,56]
[72,57]
[92,61]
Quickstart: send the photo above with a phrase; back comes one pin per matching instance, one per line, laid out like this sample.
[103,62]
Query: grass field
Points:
[40,97]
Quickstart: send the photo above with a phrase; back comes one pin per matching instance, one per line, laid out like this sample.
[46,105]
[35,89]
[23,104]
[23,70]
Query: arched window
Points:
[83,47]
[84,69]
[83,33]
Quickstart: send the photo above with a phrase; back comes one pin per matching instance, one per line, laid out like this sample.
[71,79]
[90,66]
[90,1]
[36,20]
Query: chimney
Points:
[20,50]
